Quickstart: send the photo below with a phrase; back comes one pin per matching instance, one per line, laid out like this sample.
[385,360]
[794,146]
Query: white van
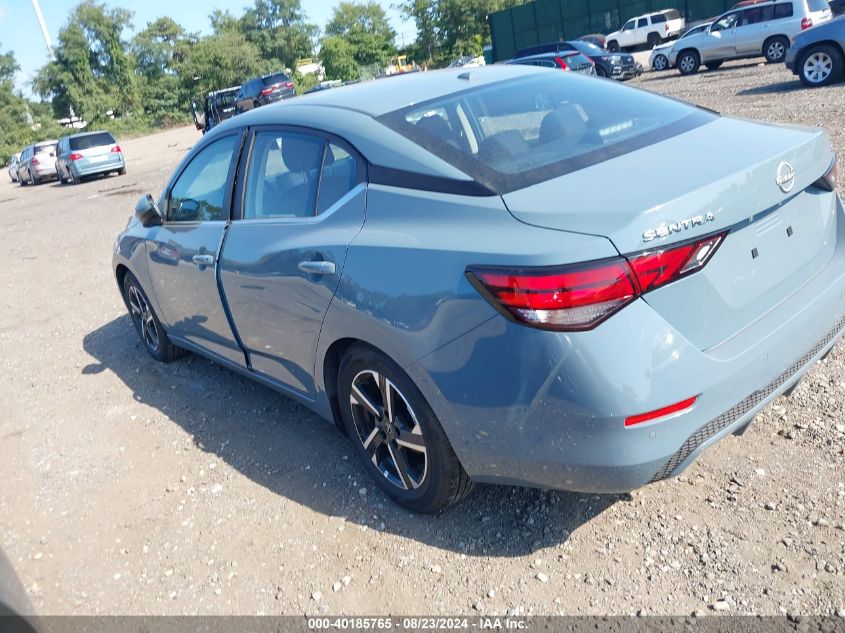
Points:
[651,29]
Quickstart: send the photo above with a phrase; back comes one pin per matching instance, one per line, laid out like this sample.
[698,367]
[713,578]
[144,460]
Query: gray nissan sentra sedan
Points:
[463,270]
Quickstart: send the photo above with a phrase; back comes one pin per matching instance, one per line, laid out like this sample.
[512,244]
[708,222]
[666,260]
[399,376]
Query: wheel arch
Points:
[803,52]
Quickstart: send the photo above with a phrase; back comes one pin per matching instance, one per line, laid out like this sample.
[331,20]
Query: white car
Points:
[762,29]
[659,58]
[13,167]
[651,29]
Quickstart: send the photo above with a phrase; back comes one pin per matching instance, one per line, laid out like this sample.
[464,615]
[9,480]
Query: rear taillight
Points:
[830,179]
[806,23]
[683,405]
[75,156]
[115,149]
[289,84]
[580,296]
[561,63]
[34,160]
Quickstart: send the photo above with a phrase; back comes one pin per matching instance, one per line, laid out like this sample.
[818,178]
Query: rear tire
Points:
[147,325]
[653,40]
[613,46]
[714,64]
[821,65]
[774,49]
[661,62]
[397,436]
[34,179]
[121,171]
[601,72]
[688,62]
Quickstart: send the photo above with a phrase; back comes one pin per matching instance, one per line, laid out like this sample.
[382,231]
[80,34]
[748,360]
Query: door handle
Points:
[317,268]
[203,260]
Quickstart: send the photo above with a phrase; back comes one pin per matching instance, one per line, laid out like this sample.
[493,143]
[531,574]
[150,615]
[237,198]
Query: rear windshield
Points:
[45,149]
[275,79]
[660,17]
[79,143]
[575,59]
[672,14]
[817,5]
[515,133]
[225,99]
[588,47]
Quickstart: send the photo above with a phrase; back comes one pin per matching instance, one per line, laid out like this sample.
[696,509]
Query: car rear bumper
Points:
[44,171]
[789,60]
[92,169]
[530,407]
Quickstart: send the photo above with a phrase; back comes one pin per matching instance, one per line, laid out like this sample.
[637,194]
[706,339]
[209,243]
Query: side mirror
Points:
[147,212]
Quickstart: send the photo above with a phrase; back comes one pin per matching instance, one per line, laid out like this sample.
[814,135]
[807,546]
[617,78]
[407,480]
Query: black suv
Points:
[263,90]
[219,106]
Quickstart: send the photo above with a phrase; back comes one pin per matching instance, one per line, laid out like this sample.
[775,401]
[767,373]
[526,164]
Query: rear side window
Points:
[643,22]
[200,191]
[511,134]
[79,143]
[784,9]
[337,178]
[656,19]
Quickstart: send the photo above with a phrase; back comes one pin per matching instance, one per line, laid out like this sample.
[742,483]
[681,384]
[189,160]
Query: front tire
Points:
[774,49]
[396,434]
[146,322]
[688,62]
[821,66]
[661,62]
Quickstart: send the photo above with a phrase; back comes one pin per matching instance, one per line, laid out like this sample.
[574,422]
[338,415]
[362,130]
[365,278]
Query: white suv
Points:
[651,29]
[763,28]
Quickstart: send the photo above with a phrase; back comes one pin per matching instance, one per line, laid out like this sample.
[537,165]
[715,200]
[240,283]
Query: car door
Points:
[182,253]
[626,35]
[304,199]
[641,32]
[719,40]
[750,31]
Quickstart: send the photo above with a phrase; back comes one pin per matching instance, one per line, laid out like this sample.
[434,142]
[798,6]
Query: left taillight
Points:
[115,149]
[75,156]
[830,179]
[806,23]
[561,63]
[578,297]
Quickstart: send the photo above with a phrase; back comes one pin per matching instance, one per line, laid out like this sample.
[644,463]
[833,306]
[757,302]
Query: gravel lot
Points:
[131,487]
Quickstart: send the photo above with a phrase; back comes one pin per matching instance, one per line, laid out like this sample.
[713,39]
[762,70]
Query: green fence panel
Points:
[574,8]
[547,12]
[526,38]
[604,22]
[628,10]
[577,27]
[501,23]
[523,18]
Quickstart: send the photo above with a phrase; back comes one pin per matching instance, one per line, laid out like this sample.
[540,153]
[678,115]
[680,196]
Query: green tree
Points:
[219,61]
[365,28]
[159,48]
[338,58]
[93,72]
[280,30]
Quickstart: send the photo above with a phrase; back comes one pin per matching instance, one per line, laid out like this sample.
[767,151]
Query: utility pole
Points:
[37,6]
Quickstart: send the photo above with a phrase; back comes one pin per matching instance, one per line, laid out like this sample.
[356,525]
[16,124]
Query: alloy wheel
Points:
[660,63]
[817,67]
[142,315]
[687,63]
[388,429]
[776,50]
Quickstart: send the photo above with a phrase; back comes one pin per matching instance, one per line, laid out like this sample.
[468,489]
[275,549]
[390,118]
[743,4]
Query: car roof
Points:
[378,97]
[81,134]
[214,93]
[42,143]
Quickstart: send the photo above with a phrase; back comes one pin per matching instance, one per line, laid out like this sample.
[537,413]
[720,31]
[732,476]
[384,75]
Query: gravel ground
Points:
[131,487]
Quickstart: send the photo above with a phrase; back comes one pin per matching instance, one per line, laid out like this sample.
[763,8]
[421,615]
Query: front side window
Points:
[726,22]
[629,25]
[199,194]
[511,134]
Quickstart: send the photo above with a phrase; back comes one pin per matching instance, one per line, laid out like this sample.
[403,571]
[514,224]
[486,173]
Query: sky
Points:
[20,33]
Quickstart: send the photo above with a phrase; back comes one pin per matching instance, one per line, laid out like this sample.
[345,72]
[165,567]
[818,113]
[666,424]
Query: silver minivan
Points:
[37,163]
[754,30]
[88,154]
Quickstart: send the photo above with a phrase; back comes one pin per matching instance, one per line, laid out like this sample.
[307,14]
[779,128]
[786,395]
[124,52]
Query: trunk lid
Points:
[720,176]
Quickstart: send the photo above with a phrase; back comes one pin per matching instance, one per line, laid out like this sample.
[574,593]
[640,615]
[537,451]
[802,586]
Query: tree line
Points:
[150,80]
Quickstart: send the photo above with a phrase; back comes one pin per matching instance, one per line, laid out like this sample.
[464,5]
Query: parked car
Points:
[16,612]
[620,66]
[13,167]
[263,90]
[817,55]
[37,163]
[468,61]
[837,7]
[595,38]
[650,29]
[88,154]
[218,106]
[530,351]
[659,58]
[564,60]
[760,29]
